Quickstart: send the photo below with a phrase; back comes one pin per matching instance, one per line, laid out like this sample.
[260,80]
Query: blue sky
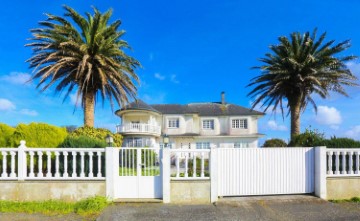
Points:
[190,52]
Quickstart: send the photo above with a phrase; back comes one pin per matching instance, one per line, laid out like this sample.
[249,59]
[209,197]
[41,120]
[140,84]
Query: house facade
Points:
[194,125]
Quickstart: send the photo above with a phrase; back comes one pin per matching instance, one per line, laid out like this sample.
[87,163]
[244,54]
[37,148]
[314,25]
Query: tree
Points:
[298,68]
[85,54]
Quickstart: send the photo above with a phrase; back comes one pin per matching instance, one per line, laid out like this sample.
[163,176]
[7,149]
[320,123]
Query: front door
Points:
[140,173]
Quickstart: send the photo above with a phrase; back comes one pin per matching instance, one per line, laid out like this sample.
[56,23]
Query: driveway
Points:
[242,208]
[253,208]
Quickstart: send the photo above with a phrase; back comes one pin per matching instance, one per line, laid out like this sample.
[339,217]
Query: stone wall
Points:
[50,190]
[190,191]
[342,187]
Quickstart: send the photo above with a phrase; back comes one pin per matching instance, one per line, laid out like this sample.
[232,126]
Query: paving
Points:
[293,207]
[301,207]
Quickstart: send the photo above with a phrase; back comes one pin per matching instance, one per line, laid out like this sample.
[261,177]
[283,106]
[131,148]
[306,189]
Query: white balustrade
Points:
[52,163]
[138,127]
[189,164]
[343,162]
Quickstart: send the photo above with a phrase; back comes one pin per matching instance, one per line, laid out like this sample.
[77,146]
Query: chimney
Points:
[223,98]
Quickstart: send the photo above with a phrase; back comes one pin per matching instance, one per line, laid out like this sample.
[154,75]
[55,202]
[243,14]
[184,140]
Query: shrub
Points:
[82,142]
[97,133]
[275,143]
[6,131]
[309,138]
[38,135]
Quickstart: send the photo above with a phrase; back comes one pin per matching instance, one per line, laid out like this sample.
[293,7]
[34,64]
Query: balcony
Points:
[139,128]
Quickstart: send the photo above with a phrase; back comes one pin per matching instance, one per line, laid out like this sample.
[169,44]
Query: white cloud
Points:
[6,105]
[173,79]
[354,132]
[274,126]
[153,99]
[73,98]
[328,116]
[28,112]
[16,78]
[159,76]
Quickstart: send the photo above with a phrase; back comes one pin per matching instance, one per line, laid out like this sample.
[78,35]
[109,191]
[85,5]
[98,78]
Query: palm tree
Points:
[86,55]
[298,68]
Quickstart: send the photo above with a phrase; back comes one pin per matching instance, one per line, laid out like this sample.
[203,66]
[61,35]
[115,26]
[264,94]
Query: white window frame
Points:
[239,123]
[173,123]
[241,144]
[202,145]
[207,125]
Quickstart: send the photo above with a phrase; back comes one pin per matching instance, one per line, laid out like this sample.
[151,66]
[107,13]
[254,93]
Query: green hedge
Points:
[82,142]
[6,131]
[97,133]
[38,135]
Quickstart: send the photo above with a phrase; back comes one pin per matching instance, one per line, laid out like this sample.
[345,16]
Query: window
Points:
[136,142]
[173,123]
[208,124]
[203,145]
[241,145]
[239,124]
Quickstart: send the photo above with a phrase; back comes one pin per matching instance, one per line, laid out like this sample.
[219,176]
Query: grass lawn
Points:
[150,171]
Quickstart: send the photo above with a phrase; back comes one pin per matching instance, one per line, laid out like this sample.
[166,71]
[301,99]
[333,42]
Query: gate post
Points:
[22,160]
[320,172]
[214,174]
[112,171]
[165,166]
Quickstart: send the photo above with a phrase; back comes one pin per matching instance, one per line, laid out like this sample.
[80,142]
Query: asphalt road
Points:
[244,208]
[302,208]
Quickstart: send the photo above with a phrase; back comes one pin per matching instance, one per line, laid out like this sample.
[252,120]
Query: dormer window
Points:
[208,124]
[173,123]
[239,124]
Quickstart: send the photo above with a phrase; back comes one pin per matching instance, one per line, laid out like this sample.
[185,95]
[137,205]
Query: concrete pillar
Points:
[213,175]
[165,166]
[22,160]
[320,172]
[112,171]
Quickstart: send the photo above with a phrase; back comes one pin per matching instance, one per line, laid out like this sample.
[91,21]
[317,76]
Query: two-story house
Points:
[194,125]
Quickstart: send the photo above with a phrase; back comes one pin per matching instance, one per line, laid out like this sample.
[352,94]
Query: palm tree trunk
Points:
[89,109]
[295,119]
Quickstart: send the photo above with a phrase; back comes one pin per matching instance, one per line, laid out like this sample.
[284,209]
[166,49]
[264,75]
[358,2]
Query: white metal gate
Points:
[265,171]
[140,173]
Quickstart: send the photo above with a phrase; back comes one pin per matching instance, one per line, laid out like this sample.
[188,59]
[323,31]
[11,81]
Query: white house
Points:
[194,125]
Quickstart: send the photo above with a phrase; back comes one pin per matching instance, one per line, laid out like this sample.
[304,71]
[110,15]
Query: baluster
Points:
[57,174]
[48,153]
[31,174]
[337,163]
[177,164]
[40,164]
[329,170]
[4,173]
[194,165]
[186,165]
[146,161]
[350,171]
[65,154]
[126,161]
[357,162]
[202,165]
[82,168]
[12,174]
[99,163]
[343,171]
[74,174]
[91,174]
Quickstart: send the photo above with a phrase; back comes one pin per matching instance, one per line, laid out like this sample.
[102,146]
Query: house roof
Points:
[202,109]
[138,105]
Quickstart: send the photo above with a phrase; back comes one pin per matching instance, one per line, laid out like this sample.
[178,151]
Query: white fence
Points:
[342,162]
[265,171]
[190,164]
[24,163]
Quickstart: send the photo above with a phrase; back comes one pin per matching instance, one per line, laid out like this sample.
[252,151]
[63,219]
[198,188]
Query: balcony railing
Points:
[138,128]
